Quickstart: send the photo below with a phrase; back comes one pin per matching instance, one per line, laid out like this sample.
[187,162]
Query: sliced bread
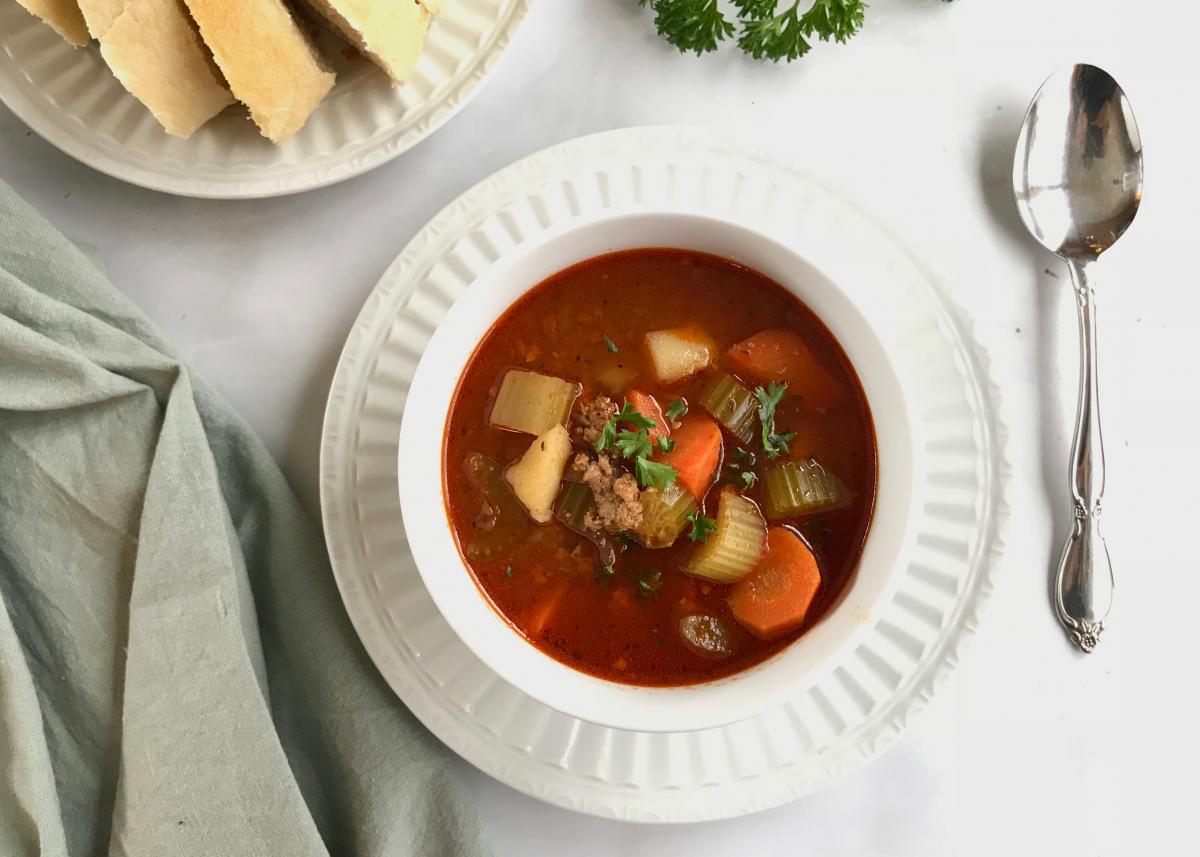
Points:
[100,14]
[389,32]
[63,16]
[268,62]
[154,50]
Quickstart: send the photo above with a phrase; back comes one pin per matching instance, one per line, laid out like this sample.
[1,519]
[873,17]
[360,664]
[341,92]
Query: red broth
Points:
[623,622]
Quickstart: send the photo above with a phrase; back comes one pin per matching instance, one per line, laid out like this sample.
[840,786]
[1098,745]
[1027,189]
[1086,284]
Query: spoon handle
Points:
[1083,584]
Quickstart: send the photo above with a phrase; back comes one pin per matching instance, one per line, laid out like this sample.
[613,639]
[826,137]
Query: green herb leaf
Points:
[610,345]
[628,415]
[774,444]
[756,8]
[676,409]
[665,444]
[634,444]
[745,456]
[605,573]
[608,436]
[690,25]
[651,474]
[701,526]
[508,572]
[749,478]
[648,584]
[764,30]
[631,416]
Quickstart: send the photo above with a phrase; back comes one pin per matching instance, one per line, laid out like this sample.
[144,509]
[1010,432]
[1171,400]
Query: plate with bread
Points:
[244,98]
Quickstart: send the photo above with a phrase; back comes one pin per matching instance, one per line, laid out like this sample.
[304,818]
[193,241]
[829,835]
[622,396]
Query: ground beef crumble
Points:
[617,505]
[590,419]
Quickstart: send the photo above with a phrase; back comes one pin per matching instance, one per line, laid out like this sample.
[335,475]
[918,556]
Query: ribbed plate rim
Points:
[457,218]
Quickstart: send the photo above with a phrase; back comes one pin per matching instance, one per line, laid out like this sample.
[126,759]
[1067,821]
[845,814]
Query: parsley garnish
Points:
[634,444]
[605,573]
[508,572]
[608,436]
[676,409]
[764,30]
[610,345]
[774,445]
[749,478]
[649,584]
[628,415]
[651,474]
[701,526]
[665,444]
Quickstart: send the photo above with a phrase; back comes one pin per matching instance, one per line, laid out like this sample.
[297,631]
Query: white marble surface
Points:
[1030,748]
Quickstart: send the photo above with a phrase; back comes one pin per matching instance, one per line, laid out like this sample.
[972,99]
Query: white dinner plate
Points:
[860,705]
[69,97]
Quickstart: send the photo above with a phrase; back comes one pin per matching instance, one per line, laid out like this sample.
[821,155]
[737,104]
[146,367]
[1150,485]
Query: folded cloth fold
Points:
[177,674]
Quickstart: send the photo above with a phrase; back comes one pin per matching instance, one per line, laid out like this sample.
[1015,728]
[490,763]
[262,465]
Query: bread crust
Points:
[155,52]
[269,64]
[62,16]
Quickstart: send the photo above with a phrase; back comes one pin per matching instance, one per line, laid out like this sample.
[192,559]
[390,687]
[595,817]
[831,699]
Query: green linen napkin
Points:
[177,673]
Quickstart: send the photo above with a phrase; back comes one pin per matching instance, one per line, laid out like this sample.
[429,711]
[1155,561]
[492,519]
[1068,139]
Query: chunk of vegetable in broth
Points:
[535,476]
[664,515]
[494,529]
[733,406]
[776,596]
[532,403]
[705,635]
[736,546]
[678,353]
[615,378]
[796,488]
[648,407]
[696,454]
[783,356]
[574,503]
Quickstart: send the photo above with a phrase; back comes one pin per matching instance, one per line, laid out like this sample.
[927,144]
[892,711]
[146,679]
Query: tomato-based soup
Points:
[660,467]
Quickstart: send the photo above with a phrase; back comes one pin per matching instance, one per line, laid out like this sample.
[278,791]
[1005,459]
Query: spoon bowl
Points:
[1077,173]
[1077,181]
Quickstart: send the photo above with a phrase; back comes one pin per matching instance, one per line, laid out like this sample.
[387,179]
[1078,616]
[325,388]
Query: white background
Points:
[1030,749]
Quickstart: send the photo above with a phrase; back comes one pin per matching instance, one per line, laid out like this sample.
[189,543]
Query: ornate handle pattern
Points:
[1083,584]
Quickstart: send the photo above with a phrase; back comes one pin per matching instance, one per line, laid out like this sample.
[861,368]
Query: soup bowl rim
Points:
[497,642]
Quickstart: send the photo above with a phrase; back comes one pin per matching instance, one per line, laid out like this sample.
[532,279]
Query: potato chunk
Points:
[678,353]
[535,477]
[532,403]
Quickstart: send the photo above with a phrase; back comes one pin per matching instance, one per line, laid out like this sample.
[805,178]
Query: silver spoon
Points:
[1077,177]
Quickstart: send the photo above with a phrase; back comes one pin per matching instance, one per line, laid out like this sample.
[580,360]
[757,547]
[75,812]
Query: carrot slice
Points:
[776,595]
[648,407]
[782,355]
[696,455]
[543,610]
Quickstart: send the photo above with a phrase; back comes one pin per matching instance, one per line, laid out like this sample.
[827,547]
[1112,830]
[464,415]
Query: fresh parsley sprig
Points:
[774,444]
[651,474]
[676,409]
[690,25]
[766,29]
[635,443]
[628,416]
[701,526]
